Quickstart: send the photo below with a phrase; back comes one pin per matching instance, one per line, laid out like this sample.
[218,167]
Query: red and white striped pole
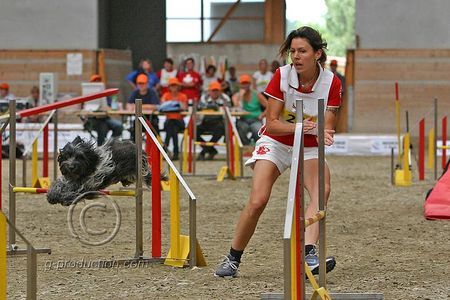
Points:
[422,149]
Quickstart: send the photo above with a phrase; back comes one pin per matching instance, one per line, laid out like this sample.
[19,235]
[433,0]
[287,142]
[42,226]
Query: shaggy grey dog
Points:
[87,169]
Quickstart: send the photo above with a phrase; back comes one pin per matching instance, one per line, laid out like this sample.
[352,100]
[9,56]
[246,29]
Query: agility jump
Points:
[296,270]
[233,146]
[183,249]
[401,172]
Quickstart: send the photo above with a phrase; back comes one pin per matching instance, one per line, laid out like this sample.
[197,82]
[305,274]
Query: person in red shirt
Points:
[174,120]
[191,81]
[304,79]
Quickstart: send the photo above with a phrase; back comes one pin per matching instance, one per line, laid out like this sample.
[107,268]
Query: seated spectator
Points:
[251,101]
[208,77]
[213,125]
[150,101]
[165,74]
[145,67]
[226,89]
[103,124]
[262,77]
[4,92]
[274,66]
[232,80]
[33,101]
[174,120]
[191,81]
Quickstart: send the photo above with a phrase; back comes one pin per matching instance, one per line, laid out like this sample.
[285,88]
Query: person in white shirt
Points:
[167,72]
[262,77]
[208,78]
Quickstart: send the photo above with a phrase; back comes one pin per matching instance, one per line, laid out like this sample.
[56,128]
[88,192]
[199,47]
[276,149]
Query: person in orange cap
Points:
[150,101]
[95,78]
[174,120]
[4,92]
[252,102]
[212,125]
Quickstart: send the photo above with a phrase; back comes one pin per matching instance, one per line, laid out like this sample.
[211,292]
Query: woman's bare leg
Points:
[265,173]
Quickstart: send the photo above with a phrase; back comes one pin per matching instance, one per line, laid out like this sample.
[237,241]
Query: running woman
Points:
[305,79]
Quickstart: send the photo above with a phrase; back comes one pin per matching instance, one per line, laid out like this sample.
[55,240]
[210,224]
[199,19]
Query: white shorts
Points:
[280,154]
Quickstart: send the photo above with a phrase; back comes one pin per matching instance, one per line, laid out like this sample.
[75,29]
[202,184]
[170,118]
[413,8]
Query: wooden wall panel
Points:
[422,75]
[21,68]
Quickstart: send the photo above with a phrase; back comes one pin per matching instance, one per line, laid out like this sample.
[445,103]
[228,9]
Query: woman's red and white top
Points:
[285,87]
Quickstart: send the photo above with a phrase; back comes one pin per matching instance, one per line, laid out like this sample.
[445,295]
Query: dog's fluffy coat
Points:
[87,168]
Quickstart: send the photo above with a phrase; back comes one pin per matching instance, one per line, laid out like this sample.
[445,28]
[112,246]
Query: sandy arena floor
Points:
[376,232]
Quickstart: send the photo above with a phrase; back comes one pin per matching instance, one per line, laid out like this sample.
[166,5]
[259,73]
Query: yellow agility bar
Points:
[237,158]
[430,164]
[34,163]
[316,218]
[130,193]
[174,255]
[294,259]
[403,177]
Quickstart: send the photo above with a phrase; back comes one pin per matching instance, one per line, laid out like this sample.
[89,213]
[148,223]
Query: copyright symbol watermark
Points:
[104,210]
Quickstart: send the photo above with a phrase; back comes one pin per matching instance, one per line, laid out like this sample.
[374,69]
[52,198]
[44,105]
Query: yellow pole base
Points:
[402,178]
[165,185]
[184,252]
[320,293]
[42,182]
[222,173]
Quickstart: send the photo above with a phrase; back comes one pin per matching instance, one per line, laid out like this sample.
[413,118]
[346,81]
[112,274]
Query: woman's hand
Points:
[329,139]
[308,124]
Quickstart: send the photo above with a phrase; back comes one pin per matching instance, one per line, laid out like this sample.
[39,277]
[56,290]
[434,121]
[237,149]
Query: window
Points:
[214,20]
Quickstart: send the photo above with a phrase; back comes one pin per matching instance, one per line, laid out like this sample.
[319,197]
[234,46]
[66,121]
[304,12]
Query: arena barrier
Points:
[401,171]
[233,146]
[295,268]
[183,249]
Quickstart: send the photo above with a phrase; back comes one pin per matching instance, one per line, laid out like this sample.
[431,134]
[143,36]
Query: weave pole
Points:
[322,227]
[422,149]
[435,135]
[397,118]
[155,157]
[12,175]
[293,237]
[139,192]
[1,158]
[444,141]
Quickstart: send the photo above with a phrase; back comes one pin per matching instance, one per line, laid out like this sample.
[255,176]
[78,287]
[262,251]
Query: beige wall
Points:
[21,68]
[422,74]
